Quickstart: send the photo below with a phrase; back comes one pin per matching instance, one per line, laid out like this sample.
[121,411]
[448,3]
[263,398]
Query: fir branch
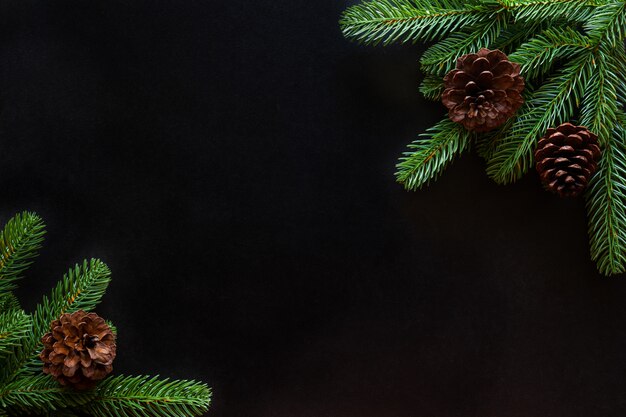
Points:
[430,155]
[600,105]
[14,326]
[602,113]
[487,143]
[39,394]
[80,289]
[432,87]
[441,58]
[548,10]
[538,55]
[388,21]
[141,396]
[607,24]
[513,35]
[20,241]
[8,302]
[552,104]
[606,205]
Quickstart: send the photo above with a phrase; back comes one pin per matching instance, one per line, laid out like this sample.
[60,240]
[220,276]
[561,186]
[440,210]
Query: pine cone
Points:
[484,91]
[566,159]
[79,350]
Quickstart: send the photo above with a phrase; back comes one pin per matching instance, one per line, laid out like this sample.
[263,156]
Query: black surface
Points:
[233,163]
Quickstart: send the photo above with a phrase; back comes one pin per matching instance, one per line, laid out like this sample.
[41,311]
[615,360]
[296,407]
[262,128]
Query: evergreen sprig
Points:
[552,104]
[430,155]
[441,57]
[124,396]
[606,200]
[572,56]
[8,302]
[40,394]
[19,242]
[24,389]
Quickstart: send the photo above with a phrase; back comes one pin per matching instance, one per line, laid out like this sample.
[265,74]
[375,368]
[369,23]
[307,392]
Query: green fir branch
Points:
[8,302]
[40,394]
[607,24]
[441,58]
[431,154]
[606,205]
[141,396]
[487,143]
[600,105]
[389,21]
[542,52]
[14,326]
[81,288]
[513,35]
[552,104]
[432,87]
[549,10]
[20,241]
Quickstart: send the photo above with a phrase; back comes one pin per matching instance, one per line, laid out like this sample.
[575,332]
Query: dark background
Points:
[233,164]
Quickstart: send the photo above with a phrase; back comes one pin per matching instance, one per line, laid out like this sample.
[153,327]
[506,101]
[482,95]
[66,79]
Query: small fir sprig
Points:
[571,54]
[24,389]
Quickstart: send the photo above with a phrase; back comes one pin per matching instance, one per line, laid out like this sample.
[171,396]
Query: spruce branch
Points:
[513,35]
[606,205]
[599,110]
[40,394]
[539,54]
[430,155]
[20,241]
[440,58]
[548,10]
[141,396]
[432,87]
[487,143]
[14,326]
[607,24]
[81,288]
[553,103]
[389,21]
[8,302]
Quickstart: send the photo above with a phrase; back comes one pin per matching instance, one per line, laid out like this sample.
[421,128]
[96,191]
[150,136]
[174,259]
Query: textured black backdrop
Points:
[232,162]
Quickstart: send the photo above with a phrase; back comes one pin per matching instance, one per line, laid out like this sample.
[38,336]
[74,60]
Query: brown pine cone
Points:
[484,91]
[566,159]
[79,350]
